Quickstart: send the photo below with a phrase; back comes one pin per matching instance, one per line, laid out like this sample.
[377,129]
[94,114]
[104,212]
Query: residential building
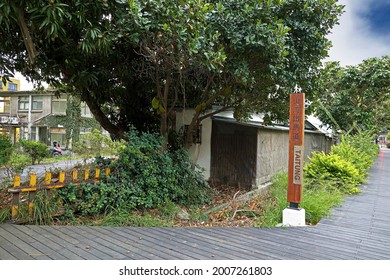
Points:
[30,114]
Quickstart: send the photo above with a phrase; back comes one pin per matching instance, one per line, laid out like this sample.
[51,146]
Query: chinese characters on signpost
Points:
[296,149]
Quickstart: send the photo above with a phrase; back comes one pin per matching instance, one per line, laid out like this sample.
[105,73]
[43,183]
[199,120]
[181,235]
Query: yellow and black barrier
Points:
[49,183]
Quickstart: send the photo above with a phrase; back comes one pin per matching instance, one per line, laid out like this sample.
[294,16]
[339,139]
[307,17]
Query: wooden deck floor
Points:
[359,229]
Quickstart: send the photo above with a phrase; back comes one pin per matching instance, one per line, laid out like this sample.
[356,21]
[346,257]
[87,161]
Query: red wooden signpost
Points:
[296,149]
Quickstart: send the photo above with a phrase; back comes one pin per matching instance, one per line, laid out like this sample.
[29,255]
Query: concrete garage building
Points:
[247,153]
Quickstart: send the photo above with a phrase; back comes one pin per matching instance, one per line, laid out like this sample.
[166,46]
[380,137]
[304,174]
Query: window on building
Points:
[59,106]
[12,86]
[33,134]
[58,134]
[85,112]
[23,102]
[37,103]
[84,130]
[5,104]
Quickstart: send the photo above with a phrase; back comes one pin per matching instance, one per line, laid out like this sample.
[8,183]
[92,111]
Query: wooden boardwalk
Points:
[359,229]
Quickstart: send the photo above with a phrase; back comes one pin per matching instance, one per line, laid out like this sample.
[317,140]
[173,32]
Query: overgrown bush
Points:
[345,167]
[333,168]
[6,149]
[146,175]
[36,150]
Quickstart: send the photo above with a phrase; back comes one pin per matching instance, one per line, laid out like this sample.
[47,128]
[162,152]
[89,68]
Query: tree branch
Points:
[28,42]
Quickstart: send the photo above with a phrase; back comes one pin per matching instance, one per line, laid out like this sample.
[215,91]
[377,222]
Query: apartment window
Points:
[23,102]
[5,104]
[58,134]
[84,130]
[85,112]
[59,106]
[12,86]
[37,103]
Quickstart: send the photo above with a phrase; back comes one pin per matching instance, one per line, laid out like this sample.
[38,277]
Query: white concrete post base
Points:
[293,217]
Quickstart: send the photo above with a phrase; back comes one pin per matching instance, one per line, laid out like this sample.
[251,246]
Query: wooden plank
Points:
[195,248]
[256,240]
[41,236]
[5,255]
[135,243]
[17,247]
[89,244]
[162,245]
[115,244]
[227,247]
[65,241]
[302,242]
[29,238]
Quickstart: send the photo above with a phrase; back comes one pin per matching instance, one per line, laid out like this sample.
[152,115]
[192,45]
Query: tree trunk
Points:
[164,127]
[189,136]
[115,131]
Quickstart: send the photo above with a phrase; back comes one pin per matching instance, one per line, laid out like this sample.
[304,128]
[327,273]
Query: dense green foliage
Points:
[6,149]
[358,149]
[355,97]
[121,55]
[146,175]
[345,167]
[333,168]
[36,150]
[96,144]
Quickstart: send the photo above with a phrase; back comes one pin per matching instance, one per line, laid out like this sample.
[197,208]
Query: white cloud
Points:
[353,39]
[24,84]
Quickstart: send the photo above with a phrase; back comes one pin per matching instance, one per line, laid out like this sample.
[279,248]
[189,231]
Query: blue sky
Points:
[363,32]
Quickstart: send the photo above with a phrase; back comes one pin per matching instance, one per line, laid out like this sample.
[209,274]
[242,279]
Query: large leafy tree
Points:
[356,97]
[125,58]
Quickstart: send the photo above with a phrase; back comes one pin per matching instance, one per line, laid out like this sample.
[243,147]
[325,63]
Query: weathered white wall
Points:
[200,153]
[272,147]
[315,142]
[272,151]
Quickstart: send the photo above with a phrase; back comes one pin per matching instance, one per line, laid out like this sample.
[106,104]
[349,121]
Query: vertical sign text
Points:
[296,147]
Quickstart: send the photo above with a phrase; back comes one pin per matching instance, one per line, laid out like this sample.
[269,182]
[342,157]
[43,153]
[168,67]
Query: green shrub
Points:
[146,175]
[346,165]
[363,143]
[333,168]
[360,160]
[6,149]
[153,175]
[36,150]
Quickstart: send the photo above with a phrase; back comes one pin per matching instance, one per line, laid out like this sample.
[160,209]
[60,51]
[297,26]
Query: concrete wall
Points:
[272,153]
[200,153]
[316,142]
[272,147]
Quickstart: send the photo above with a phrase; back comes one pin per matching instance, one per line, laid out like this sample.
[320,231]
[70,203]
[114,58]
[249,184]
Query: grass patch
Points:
[5,215]
[120,217]
[316,200]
